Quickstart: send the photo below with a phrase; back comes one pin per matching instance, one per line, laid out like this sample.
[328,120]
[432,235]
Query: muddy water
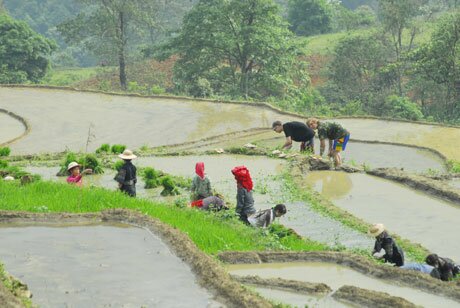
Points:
[10,128]
[336,276]
[61,119]
[455,183]
[93,266]
[299,300]
[432,222]
[435,137]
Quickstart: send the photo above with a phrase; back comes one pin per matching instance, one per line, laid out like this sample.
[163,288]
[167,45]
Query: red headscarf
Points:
[243,177]
[199,170]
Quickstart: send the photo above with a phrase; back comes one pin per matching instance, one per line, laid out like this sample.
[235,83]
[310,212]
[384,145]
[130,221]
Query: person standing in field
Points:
[337,135]
[296,131]
[126,176]
[201,185]
[244,199]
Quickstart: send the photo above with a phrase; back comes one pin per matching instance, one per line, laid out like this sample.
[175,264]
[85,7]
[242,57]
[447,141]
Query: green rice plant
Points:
[169,187]
[151,177]
[209,232]
[118,164]
[3,164]
[5,151]
[118,148]
[104,148]
[454,166]
[90,161]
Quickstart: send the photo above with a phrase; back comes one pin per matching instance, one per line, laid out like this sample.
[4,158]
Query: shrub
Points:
[118,148]
[156,90]
[104,148]
[5,151]
[401,107]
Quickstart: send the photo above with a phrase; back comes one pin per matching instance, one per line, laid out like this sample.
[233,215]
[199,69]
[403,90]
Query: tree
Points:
[23,52]
[235,48]
[309,17]
[360,71]
[439,61]
[107,28]
[397,15]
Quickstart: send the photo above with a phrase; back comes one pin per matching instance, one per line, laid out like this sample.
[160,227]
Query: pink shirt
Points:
[77,180]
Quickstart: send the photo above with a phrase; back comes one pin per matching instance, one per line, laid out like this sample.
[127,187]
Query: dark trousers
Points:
[130,190]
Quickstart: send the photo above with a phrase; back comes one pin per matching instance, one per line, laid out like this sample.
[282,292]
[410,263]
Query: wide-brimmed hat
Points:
[376,229]
[127,154]
[73,165]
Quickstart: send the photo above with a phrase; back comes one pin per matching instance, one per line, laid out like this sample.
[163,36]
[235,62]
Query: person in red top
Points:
[244,199]
[75,176]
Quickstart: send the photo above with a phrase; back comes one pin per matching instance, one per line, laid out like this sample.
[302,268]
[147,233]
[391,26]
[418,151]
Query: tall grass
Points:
[210,232]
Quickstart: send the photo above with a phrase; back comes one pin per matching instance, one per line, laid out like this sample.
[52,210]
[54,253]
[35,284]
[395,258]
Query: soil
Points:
[8,300]
[358,263]
[369,298]
[210,274]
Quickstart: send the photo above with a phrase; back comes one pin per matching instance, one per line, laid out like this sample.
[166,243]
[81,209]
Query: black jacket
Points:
[393,253]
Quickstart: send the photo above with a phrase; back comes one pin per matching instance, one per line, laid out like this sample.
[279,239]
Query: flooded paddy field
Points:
[423,219]
[60,119]
[10,128]
[424,135]
[92,265]
[336,276]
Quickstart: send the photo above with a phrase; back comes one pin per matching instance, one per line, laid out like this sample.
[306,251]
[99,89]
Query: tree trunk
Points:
[121,52]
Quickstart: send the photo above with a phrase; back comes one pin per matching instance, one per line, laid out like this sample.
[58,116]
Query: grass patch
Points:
[14,286]
[211,232]
[71,76]
[454,166]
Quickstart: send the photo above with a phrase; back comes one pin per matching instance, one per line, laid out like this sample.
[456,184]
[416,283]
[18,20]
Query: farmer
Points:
[126,177]
[446,267]
[213,203]
[295,131]
[264,218]
[337,135]
[75,176]
[244,199]
[385,247]
[201,186]
[423,268]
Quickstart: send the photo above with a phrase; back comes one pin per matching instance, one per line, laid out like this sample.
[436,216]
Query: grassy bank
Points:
[210,232]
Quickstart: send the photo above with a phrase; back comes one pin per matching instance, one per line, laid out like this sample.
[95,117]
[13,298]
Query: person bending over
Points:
[296,131]
[385,247]
[446,267]
[264,218]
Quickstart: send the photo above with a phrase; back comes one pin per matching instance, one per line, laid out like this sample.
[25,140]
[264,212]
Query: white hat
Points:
[127,154]
[376,229]
[73,165]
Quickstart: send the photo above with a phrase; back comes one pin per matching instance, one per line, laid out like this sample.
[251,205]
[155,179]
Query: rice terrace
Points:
[231,153]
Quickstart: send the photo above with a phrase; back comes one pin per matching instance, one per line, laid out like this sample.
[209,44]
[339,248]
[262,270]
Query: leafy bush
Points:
[156,90]
[104,148]
[5,151]
[118,148]
[401,107]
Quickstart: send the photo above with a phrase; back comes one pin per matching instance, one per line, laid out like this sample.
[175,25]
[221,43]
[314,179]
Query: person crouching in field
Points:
[264,218]
[201,186]
[212,203]
[295,131]
[75,176]
[385,247]
[446,267]
[244,199]
[337,135]
[126,176]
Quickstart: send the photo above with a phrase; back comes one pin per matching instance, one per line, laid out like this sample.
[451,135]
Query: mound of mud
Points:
[308,288]
[369,298]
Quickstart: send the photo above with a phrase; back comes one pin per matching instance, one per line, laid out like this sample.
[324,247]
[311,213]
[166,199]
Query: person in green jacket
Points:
[201,186]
